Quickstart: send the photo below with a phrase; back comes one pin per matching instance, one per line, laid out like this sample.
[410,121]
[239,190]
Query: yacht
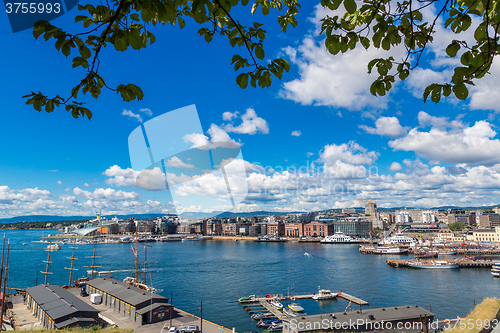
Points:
[340,238]
[495,270]
[324,294]
[397,239]
[291,313]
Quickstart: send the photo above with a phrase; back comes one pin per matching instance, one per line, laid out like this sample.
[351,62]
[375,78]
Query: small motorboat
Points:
[267,323]
[295,307]
[277,305]
[275,328]
[261,315]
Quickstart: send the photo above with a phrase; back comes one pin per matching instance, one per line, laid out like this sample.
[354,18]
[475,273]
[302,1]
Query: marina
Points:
[248,267]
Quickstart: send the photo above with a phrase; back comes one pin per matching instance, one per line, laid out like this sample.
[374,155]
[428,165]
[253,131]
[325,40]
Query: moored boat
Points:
[383,249]
[433,264]
[495,269]
[247,299]
[277,305]
[398,238]
[295,307]
[340,238]
[261,315]
[324,294]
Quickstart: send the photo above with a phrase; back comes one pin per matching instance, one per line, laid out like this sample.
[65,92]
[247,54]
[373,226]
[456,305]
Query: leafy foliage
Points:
[457,226]
[124,24]
[386,24]
[381,24]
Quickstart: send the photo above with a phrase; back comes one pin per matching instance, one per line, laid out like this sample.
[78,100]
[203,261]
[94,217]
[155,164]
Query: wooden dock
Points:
[462,263]
[352,299]
[274,310]
[265,302]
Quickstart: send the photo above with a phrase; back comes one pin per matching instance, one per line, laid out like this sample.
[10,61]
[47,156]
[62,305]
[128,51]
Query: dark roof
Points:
[388,314]
[126,292]
[57,302]
[73,320]
[148,308]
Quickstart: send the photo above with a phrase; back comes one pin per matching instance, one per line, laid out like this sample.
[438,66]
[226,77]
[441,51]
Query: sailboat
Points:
[135,281]
[434,264]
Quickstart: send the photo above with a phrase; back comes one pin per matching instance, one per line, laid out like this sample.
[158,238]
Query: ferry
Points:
[277,305]
[324,294]
[340,238]
[495,270]
[398,238]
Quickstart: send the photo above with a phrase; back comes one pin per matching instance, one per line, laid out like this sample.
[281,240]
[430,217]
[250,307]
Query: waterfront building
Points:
[318,229]
[137,304]
[353,226]
[349,211]
[451,236]
[294,229]
[229,229]
[487,235]
[407,318]
[57,308]
[276,229]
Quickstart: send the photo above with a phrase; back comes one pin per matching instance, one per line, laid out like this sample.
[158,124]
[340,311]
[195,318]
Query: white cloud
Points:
[484,95]
[386,126]
[296,133]
[228,116]
[198,140]
[219,137]
[395,167]
[470,145]
[177,163]
[146,111]
[250,123]
[132,115]
[351,153]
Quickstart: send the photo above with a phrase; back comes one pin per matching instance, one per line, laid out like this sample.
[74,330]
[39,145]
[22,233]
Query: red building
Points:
[294,229]
[318,229]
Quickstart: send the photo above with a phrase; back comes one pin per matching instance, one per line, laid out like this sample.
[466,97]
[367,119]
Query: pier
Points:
[462,263]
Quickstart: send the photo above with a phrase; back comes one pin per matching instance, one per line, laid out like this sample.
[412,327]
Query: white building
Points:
[403,217]
[428,217]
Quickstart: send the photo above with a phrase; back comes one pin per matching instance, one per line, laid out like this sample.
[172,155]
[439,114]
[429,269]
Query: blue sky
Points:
[315,140]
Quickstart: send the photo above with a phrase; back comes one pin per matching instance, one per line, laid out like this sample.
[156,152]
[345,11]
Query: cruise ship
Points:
[397,239]
[495,270]
[340,238]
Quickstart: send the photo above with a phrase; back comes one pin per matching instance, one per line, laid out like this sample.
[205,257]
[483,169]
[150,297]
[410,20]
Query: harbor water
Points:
[218,272]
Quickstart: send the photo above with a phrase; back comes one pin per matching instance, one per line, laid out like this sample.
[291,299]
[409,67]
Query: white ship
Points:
[495,270]
[340,238]
[397,239]
[324,294]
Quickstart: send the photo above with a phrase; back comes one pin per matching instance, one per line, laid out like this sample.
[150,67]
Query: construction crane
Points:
[372,205]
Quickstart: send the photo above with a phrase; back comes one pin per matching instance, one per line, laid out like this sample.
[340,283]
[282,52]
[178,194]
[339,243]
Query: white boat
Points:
[384,249]
[398,238]
[324,294]
[339,238]
[295,307]
[125,240]
[52,247]
[277,305]
[290,313]
[495,269]
[433,264]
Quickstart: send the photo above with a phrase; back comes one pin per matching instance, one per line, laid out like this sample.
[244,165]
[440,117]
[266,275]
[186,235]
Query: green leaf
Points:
[461,91]
[452,49]
[350,6]
[242,80]
[259,51]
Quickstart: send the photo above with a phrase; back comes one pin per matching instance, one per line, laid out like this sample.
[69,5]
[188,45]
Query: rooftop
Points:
[126,292]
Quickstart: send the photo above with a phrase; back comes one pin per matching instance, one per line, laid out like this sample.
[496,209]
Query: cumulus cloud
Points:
[386,126]
[132,115]
[177,163]
[395,167]
[351,153]
[296,133]
[469,145]
[250,123]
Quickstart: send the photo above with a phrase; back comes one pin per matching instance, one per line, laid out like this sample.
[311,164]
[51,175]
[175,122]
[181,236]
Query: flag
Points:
[133,250]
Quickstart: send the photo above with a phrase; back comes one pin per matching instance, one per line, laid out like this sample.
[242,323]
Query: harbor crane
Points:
[372,204]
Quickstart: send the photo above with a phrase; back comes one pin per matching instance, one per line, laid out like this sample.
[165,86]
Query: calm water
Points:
[218,272]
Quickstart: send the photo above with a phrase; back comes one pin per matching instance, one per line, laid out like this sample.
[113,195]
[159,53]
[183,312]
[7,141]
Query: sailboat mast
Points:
[136,251]
[48,262]
[93,265]
[1,265]
[72,264]
[4,284]
[145,258]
